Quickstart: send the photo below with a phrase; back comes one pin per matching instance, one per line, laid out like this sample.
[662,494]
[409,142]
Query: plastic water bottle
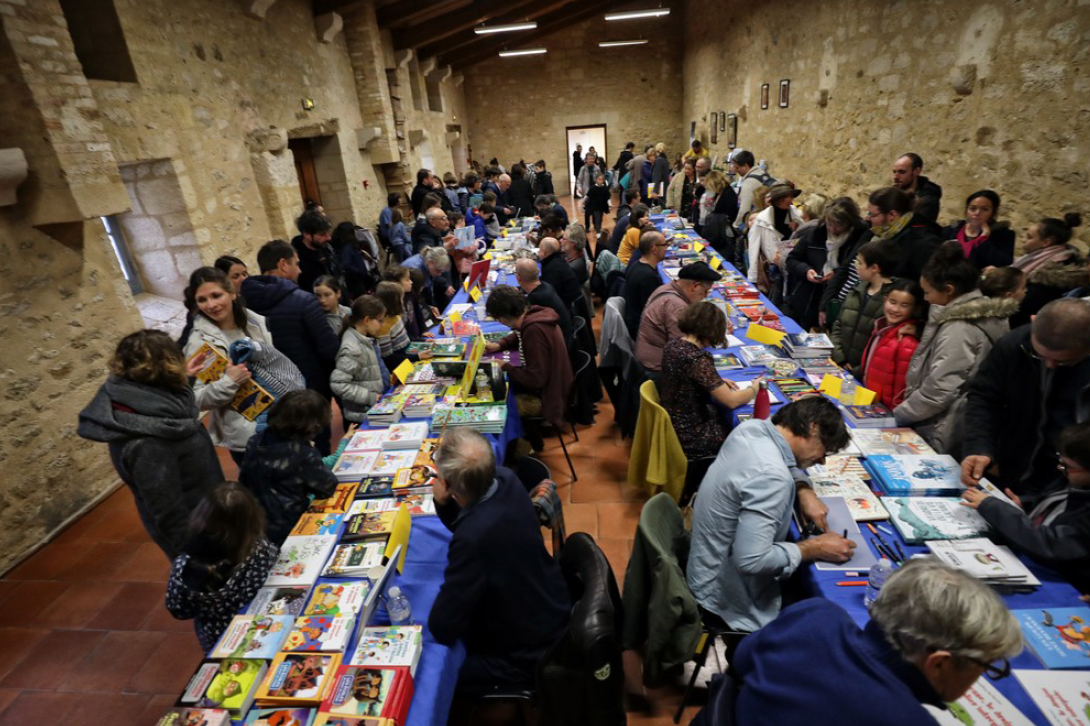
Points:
[397,607]
[878,576]
[847,391]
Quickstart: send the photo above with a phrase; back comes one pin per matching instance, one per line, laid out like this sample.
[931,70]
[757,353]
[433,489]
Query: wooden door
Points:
[304,170]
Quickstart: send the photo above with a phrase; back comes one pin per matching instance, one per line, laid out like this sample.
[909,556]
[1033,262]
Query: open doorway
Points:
[585,138]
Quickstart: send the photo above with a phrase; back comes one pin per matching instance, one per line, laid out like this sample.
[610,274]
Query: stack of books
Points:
[396,646]
[405,436]
[419,405]
[985,560]
[808,345]
[923,519]
[755,355]
[905,475]
[875,442]
[863,504]
[486,418]
[873,416]
[386,412]
[368,694]
[365,440]
[441,347]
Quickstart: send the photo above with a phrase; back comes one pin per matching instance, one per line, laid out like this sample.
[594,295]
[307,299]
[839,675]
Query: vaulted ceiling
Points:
[444,28]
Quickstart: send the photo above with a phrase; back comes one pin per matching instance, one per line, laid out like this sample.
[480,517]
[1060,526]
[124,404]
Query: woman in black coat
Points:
[810,272]
[985,241]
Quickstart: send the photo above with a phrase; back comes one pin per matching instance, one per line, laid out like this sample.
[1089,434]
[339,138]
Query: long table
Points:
[1054,590]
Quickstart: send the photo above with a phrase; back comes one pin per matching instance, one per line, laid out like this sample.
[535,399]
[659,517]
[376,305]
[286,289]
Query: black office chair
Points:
[531,472]
[584,361]
[694,474]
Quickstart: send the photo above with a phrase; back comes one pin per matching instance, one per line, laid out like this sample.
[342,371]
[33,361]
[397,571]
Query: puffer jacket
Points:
[852,329]
[885,364]
[228,427]
[357,379]
[1047,283]
[957,338]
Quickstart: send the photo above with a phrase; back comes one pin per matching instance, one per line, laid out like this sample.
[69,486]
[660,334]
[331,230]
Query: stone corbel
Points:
[13,172]
[256,9]
[428,65]
[457,79]
[453,136]
[328,26]
[441,74]
[365,136]
[273,140]
[417,136]
[402,57]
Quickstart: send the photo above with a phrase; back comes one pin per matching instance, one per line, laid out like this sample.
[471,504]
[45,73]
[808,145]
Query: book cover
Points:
[279,601]
[301,560]
[727,361]
[355,560]
[338,598]
[425,455]
[318,524]
[280,717]
[320,633]
[338,503]
[353,466]
[366,691]
[874,415]
[195,717]
[419,504]
[863,504]
[906,475]
[840,465]
[375,486]
[389,645]
[298,679]
[920,519]
[1059,637]
[367,525]
[876,442]
[366,440]
[228,684]
[405,436]
[984,560]
[329,719]
[253,636]
[1062,697]
[982,705]
[251,400]
[413,478]
[387,463]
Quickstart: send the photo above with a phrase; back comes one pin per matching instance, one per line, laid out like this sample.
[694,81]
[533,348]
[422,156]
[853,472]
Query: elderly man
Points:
[906,176]
[933,632]
[434,264]
[434,232]
[425,183]
[642,278]
[741,518]
[503,595]
[316,257]
[504,209]
[556,271]
[1034,383]
[542,293]
[659,321]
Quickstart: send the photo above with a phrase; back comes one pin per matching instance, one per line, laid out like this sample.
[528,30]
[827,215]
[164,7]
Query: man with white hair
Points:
[434,232]
[556,271]
[933,632]
[542,293]
[504,210]
[502,595]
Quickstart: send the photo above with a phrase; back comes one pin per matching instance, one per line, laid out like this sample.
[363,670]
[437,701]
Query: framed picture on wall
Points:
[732,130]
[764,95]
[785,90]
[722,121]
[714,127]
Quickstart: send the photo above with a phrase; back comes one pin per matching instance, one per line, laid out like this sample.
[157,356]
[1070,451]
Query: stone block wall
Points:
[519,107]
[991,95]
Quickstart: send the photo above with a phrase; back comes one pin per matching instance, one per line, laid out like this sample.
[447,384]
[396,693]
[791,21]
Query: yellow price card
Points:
[404,370]
[761,334]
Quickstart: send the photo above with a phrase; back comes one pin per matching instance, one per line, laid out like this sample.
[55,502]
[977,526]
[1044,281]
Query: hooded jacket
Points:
[546,369]
[159,449]
[1047,283]
[717,228]
[764,237]
[885,364]
[357,379]
[853,327]
[298,327]
[954,343]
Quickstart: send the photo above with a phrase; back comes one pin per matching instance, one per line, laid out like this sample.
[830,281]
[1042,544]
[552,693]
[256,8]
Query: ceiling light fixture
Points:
[633,14]
[620,43]
[485,29]
[528,51]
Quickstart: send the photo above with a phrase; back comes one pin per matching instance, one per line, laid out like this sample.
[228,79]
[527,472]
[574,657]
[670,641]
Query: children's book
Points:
[388,645]
[443,347]
[1059,637]
[873,416]
[353,466]
[840,465]
[228,684]
[298,679]
[355,560]
[863,504]
[318,524]
[387,463]
[726,361]
[904,475]
[416,479]
[370,691]
[336,504]
[982,705]
[253,636]
[338,598]
[405,436]
[320,633]
[195,717]
[467,242]
[419,504]
[280,717]
[755,355]
[366,440]
[986,561]
[1062,697]
[874,442]
[301,560]
[375,486]
[920,519]
[279,601]
[367,526]
[425,456]
[250,401]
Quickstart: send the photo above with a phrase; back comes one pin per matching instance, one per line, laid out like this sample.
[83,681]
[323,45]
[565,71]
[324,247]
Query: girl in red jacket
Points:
[892,343]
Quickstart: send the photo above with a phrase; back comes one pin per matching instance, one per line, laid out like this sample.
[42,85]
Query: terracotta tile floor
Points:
[83,628]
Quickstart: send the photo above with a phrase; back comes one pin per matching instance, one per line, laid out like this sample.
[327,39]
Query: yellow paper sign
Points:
[465,283]
[698,247]
[830,384]
[475,294]
[399,535]
[716,263]
[761,334]
[487,256]
[404,370]
[454,317]
[864,396]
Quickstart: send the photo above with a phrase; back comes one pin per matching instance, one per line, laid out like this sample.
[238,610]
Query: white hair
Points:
[436,256]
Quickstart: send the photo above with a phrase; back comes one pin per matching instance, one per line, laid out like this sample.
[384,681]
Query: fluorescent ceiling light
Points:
[528,51]
[484,29]
[633,14]
[619,43]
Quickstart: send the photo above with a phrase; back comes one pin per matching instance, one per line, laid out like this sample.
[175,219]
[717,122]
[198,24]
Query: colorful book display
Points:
[228,684]
[298,679]
[920,519]
[301,560]
[1059,637]
[251,400]
[938,475]
[253,636]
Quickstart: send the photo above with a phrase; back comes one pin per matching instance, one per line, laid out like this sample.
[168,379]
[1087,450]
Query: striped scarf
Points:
[1038,258]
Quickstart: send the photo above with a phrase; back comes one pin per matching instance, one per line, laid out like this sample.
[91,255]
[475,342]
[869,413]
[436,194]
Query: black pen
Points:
[899,550]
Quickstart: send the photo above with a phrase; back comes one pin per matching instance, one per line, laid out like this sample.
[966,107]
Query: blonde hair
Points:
[715,182]
[760,197]
[660,147]
[813,206]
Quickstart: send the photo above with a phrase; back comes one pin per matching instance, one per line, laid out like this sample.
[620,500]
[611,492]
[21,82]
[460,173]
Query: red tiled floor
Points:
[103,561]
[27,601]
[78,605]
[131,607]
[39,707]
[160,620]
[617,520]
[7,695]
[50,562]
[18,644]
[109,708]
[149,564]
[53,659]
[581,518]
[169,667]
[154,709]
[116,660]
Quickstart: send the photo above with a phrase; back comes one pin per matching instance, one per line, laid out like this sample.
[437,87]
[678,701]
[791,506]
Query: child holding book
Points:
[864,304]
[360,376]
[328,291]
[894,339]
[225,562]
[282,468]
[1053,528]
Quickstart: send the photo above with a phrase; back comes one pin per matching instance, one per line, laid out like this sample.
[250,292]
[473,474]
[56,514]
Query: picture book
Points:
[419,504]
[755,355]
[366,440]
[353,466]
[320,633]
[318,524]
[228,684]
[195,717]
[338,503]
[938,475]
[298,679]
[388,462]
[448,347]
[863,504]
[375,486]
[466,240]
[301,559]
[367,525]
[250,401]
[425,455]
[370,691]
[794,389]
[253,636]
[279,601]
[413,479]
[920,519]
[355,560]
[337,598]
[405,436]
[840,465]
[872,416]
[370,506]
[874,442]
[982,705]
[985,560]
[726,361]
[329,719]
[280,717]
[1059,637]
[1062,697]
[388,645]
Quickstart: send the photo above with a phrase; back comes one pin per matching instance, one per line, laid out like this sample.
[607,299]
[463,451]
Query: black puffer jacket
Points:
[281,474]
[298,327]
[160,450]
[1047,283]
[810,253]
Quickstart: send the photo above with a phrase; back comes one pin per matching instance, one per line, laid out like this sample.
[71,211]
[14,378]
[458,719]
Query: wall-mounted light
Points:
[485,29]
[528,51]
[308,104]
[620,43]
[634,14]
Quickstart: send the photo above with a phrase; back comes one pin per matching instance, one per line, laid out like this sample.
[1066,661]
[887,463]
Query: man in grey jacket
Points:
[743,511]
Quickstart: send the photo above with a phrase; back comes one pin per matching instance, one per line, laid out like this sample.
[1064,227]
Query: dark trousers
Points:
[595,217]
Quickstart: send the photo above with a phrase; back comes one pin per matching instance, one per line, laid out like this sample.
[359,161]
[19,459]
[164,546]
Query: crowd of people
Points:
[985,352]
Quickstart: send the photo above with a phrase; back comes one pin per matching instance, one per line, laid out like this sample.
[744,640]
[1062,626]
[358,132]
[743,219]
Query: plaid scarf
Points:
[890,231]
[550,512]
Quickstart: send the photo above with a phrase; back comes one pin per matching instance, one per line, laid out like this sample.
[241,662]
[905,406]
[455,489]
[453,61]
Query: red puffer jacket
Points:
[885,362]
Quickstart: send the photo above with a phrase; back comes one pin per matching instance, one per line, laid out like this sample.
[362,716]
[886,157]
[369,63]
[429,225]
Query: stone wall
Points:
[992,94]
[519,107]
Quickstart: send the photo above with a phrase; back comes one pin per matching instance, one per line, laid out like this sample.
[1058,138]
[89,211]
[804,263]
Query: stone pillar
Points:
[364,41]
[274,174]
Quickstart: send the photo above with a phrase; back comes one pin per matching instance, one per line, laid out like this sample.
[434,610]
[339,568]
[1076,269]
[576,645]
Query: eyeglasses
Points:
[1066,468]
[1058,363]
[870,215]
[992,671]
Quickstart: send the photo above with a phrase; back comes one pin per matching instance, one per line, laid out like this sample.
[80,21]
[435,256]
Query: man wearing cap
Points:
[659,322]
[696,152]
[771,227]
